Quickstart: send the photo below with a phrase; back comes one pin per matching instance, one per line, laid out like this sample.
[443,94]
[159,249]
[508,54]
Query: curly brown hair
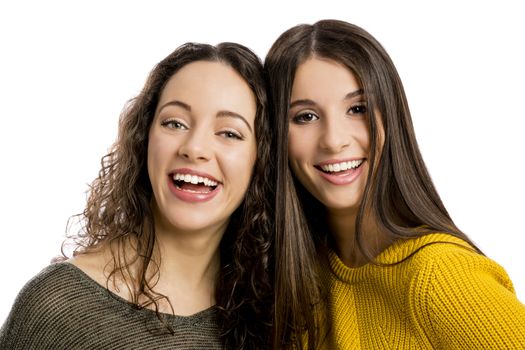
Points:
[118,206]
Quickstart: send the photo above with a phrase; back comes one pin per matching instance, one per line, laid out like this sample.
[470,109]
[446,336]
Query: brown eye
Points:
[305,118]
[357,109]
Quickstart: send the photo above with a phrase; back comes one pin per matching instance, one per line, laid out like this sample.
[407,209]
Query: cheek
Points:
[298,158]
[239,162]
[295,146]
[362,135]
[154,156]
[300,150]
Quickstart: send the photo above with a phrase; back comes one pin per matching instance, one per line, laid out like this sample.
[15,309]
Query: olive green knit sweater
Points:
[62,308]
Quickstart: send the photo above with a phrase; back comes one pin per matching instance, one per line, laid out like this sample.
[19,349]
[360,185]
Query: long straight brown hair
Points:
[399,192]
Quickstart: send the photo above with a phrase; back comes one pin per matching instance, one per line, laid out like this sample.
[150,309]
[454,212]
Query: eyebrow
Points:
[223,114]
[220,114]
[353,94]
[176,103]
[308,103]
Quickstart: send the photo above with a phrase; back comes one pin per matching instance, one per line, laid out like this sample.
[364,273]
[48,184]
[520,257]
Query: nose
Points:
[335,136]
[196,146]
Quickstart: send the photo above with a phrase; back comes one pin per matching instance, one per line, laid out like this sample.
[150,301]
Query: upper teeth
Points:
[194,179]
[334,167]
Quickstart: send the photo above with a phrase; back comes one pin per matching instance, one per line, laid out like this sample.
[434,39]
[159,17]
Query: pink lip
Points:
[192,197]
[342,177]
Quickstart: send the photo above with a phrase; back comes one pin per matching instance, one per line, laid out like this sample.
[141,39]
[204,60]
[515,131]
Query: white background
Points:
[67,69]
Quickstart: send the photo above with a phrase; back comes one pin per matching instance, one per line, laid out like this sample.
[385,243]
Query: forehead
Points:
[323,76]
[210,85]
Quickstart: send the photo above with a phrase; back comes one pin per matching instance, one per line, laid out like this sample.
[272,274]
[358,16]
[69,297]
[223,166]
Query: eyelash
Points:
[173,124]
[229,134]
[353,110]
[357,109]
[299,119]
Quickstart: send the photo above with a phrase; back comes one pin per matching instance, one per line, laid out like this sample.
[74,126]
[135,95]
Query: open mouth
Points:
[340,168]
[193,183]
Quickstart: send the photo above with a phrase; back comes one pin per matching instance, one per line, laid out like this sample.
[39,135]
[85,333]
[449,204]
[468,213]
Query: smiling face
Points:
[329,139]
[202,148]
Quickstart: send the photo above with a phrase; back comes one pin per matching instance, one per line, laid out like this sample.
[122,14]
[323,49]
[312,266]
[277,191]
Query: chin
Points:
[195,220]
[195,225]
[350,205]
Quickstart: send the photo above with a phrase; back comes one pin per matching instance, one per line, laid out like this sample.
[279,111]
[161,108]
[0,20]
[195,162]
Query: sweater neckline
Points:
[119,301]
[396,252]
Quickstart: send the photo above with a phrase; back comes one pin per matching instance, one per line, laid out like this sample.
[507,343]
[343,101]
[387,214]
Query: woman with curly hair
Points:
[174,248]
[367,255]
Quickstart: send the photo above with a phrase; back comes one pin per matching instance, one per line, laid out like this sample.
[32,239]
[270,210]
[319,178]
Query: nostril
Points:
[195,151]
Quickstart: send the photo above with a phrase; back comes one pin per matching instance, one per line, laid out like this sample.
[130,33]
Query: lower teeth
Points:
[206,189]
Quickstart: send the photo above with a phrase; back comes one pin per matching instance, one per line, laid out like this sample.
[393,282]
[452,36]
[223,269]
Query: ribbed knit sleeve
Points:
[467,302]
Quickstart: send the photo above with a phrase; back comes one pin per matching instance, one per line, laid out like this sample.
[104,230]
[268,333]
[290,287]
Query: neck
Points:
[183,268]
[342,226]
[342,223]
[189,265]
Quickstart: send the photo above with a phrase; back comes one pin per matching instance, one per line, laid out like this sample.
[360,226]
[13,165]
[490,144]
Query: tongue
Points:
[194,188]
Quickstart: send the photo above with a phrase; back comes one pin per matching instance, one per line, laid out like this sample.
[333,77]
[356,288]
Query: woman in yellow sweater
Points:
[367,255]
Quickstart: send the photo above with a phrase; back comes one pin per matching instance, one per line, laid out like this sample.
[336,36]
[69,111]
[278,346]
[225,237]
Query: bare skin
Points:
[328,129]
[342,227]
[186,275]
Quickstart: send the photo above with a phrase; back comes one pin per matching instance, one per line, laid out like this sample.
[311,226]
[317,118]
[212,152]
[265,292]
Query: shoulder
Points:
[443,265]
[50,286]
[449,259]
[439,256]
[53,286]
[45,305]
[93,264]
[452,285]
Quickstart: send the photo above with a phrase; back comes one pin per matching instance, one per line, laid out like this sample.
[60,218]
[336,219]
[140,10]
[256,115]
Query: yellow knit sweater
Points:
[445,296]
